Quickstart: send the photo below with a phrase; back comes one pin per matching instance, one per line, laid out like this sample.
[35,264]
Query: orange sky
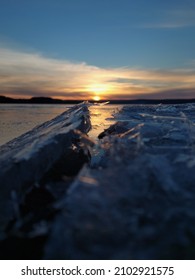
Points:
[25,75]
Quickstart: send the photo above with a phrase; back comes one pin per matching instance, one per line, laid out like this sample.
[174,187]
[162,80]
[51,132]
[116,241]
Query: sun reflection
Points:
[100,118]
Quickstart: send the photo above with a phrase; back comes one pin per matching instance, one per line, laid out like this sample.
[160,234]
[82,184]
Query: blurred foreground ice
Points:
[137,200]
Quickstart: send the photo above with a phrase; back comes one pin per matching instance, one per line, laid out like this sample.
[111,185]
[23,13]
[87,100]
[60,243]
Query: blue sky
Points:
[116,38]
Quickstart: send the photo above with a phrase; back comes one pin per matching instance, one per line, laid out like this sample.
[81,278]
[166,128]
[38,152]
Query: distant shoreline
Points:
[48,100]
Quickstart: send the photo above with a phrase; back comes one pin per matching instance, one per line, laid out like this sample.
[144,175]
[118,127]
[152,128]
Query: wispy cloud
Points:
[31,74]
[173,19]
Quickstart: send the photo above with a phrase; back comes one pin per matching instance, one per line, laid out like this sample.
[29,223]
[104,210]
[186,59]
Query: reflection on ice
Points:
[100,118]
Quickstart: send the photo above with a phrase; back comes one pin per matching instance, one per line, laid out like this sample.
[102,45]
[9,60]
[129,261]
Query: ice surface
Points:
[136,199]
[25,160]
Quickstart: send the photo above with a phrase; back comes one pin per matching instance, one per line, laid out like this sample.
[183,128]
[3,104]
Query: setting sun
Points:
[98,90]
[96,98]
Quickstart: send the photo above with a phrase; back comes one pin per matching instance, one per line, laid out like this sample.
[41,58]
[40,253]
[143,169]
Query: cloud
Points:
[30,72]
[173,19]
[25,74]
[179,93]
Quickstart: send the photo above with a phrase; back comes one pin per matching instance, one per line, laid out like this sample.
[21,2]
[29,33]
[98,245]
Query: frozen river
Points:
[16,119]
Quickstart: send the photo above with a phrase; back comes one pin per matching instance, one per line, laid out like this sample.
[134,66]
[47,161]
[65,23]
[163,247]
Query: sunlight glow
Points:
[96,98]
[81,81]
[98,88]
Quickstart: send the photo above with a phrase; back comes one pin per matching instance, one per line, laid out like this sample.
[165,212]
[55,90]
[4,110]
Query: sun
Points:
[98,91]
[96,98]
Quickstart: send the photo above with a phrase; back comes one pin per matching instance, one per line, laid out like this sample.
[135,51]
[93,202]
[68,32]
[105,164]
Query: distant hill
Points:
[48,100]
[36,100]
[4,99]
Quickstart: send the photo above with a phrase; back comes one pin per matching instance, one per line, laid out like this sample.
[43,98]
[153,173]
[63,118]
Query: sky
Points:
[107,49]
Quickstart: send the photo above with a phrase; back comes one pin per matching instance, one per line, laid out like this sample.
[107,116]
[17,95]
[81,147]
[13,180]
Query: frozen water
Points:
[138,200]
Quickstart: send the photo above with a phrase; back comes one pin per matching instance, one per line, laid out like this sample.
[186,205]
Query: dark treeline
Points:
[48,100]
[36,100]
